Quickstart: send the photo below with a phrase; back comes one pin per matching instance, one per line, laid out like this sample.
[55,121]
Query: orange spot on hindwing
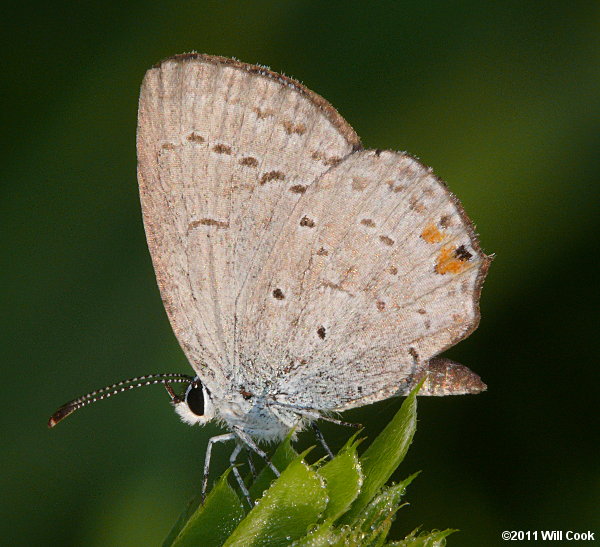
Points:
[452,259]
[432,234]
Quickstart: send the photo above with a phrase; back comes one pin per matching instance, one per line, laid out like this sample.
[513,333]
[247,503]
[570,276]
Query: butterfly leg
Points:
[251,465]
[211,441]
[236,472]
[251,444]
[340,422]
[321,439]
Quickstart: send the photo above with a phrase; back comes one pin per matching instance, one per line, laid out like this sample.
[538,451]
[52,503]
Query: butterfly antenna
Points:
[124,385]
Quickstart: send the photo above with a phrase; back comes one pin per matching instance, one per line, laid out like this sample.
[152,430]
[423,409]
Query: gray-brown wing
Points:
[376,271]
[225,151]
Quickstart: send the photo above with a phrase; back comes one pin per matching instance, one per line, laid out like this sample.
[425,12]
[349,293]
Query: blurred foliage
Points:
[502,99]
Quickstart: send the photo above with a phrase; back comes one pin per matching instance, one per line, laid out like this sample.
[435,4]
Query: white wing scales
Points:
[287,260]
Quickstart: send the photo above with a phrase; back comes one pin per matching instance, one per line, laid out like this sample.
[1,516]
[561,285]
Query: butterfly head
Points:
[195,405]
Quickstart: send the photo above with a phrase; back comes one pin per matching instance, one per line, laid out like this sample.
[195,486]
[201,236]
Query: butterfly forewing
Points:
[225,151]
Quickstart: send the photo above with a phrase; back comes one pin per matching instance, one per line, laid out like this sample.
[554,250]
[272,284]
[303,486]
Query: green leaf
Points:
[369,530]
[375,521]
[436,538]
[378,537]
[386,453]
[322,535]
[283,456]
[344,479]
[209,524]
[294,502]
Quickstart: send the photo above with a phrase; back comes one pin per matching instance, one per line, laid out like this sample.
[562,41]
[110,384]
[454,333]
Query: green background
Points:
[501,99]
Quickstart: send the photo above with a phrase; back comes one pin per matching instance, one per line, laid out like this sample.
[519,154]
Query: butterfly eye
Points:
[194,398]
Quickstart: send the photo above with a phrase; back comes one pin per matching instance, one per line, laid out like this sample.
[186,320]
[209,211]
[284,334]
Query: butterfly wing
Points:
[376,270]
[225,151]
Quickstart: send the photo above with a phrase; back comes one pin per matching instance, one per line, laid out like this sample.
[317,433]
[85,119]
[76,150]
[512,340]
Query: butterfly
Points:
[303,275]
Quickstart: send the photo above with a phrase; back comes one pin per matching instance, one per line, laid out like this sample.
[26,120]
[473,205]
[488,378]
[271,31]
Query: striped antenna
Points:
[124,385]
